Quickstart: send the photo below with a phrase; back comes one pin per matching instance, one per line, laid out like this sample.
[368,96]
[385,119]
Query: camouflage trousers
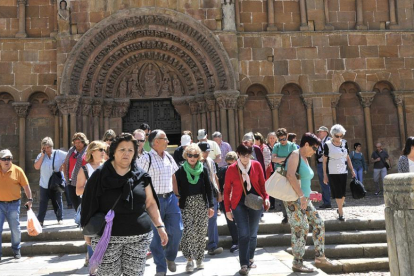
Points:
[301,222]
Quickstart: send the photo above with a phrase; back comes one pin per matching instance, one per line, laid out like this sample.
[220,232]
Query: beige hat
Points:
[5,153]
[323,128]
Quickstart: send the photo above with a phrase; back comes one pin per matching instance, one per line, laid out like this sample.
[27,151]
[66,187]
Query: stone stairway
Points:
[354,245]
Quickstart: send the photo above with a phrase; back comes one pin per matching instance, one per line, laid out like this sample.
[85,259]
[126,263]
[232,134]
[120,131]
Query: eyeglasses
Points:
[284,139]
[244,156]
[315,148]
[193,155]
[338,136]
[141,141]
[165,139]
[6,159]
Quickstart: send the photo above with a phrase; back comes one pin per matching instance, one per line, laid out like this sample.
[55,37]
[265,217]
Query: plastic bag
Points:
[33,225]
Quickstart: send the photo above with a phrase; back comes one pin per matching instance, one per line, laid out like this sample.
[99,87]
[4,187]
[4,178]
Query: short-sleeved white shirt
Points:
[46,167]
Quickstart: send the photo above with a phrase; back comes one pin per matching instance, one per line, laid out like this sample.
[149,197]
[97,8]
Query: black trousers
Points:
[76,200]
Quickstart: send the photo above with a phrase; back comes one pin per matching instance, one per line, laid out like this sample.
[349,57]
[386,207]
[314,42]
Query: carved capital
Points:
[97,107]
[120,108]
[107,107]
[308,102]
[227,99]
[177,101]
[68,104]
[210,102]
[53,108]
[366,98]
[21,108]
[201,104]
[274,100]
[335,100]
[21,2]
[86,106]
[241,101]
[194,106]
[398,98]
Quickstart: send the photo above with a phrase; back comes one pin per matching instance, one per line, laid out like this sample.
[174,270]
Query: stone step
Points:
[345,237]
[46,248]
[357,265]
[344,251]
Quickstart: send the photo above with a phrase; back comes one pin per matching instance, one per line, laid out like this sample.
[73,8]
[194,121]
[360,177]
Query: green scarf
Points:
[198,169]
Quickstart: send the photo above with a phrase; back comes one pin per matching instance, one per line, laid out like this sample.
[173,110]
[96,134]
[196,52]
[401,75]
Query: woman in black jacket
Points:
[196,203]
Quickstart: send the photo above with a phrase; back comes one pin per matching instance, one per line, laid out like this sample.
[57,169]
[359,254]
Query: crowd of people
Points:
[164,202]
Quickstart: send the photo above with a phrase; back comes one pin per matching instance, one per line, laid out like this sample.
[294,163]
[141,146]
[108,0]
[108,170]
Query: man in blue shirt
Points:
[49,161]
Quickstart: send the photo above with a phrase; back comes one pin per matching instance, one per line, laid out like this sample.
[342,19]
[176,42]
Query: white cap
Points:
[6,153]
[185,140]
[202,134]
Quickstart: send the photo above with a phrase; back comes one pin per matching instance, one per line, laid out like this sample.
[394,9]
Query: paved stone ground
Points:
[366,274]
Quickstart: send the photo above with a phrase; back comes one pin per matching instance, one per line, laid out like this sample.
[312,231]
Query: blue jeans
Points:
[212,230]
[68,201]
[326,190]
[11,213]
[247,222]
[358,174]
[90,251]
[56,198]
[171,216]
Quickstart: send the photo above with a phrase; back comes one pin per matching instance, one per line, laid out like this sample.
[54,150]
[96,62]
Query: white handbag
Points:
[279,187]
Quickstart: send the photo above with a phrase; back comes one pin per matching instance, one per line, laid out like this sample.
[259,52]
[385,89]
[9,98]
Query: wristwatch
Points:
[30,199]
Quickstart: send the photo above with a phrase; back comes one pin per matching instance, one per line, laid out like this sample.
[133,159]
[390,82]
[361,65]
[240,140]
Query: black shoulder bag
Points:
[386,165]
[56,181]
[96,223]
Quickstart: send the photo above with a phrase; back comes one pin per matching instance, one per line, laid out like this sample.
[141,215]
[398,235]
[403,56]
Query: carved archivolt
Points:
[169,52]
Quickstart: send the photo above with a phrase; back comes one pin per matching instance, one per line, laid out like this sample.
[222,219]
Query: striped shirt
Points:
[161,170]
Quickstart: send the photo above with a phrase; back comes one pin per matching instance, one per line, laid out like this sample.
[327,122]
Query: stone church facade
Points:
[229,65]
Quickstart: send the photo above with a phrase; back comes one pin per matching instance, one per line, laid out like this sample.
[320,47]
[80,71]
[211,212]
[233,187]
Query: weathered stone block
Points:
[308,67]
[349,51]
[254,68]
[266,68]
[322,85]
[251,6]
[295,67]
[259,17]
[394,63]
[376,40]
[393,39]
[355,63]
[8,12]
[328,52]
[281,67]
[9,55]
[302,41]
[307,53]
[252,42]
[246,17]
[406,51]
[338,40]
[388,51]
[357,39]
[28,55]
[285,53]
[368,51]
[336,64]
[7,79]
[262,53]
[46,79]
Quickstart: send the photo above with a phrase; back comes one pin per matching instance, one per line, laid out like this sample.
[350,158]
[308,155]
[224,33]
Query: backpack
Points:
[56,181]
[357,189]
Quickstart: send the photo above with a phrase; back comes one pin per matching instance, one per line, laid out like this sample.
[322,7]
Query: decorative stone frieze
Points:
[21,108]
[86,106]
[120,108]
[68,104]
[274,100]
[366,98]
[107,107]
[97,107]
[227,99]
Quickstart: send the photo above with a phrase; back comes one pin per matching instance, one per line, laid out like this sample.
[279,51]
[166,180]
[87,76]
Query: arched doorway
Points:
[257,114]
[146,53]
[9,121]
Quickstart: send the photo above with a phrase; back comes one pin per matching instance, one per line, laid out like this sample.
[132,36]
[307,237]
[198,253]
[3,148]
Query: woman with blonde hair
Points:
[194,191]
[95,157]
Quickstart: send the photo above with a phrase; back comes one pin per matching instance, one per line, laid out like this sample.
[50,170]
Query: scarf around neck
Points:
[193,174]
[78,165]
[245,175]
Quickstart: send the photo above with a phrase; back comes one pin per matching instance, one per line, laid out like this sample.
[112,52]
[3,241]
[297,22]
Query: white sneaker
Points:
[200,264]
[190,266]
[60,222]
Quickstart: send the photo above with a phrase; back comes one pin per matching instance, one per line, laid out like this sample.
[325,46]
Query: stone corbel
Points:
[274,100]
[308,102]
[398,98]
[21,108]
[54,110]
[366,98]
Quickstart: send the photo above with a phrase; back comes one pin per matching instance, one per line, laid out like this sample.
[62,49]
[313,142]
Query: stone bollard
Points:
[399,222]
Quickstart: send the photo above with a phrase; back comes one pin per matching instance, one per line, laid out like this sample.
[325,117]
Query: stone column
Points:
[393,14]
[53,19]
[203,115]
[360,16]
[271,16]
[274,101]
[334,104]
[194,111]
[63,103]
[21,109]
[366,101]
[227,99]
[119,110]
[308,102]
[303,16]
[231,106]
[229,20]
[96,113]
[22,19]
[55,112]
[399,102]
[241,101]
[328,26]
[211,108]
[86,106]
[239,27]
[73,105]
[399,222]
[107,112]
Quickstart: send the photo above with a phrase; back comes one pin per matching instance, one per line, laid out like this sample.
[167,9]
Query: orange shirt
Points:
[11,183]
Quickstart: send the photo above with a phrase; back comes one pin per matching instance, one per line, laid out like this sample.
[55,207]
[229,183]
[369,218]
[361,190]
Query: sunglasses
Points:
[193,155]
[338,136]
[284,139]
[141,141]
[101,150]
[315,148]
[6,159]
[147,134]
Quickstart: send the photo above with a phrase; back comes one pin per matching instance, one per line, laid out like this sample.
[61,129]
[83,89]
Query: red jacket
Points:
[233,189]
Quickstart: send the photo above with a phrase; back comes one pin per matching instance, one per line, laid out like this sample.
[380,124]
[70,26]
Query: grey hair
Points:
[271,133]
[336,129]
[248,136]
[158,133]
[217,134]
[47,141]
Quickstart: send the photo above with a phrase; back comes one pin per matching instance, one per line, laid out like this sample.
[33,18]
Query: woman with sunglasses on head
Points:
[95,157]
[245,177]
[194,191]
[335,162]
[302,214]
